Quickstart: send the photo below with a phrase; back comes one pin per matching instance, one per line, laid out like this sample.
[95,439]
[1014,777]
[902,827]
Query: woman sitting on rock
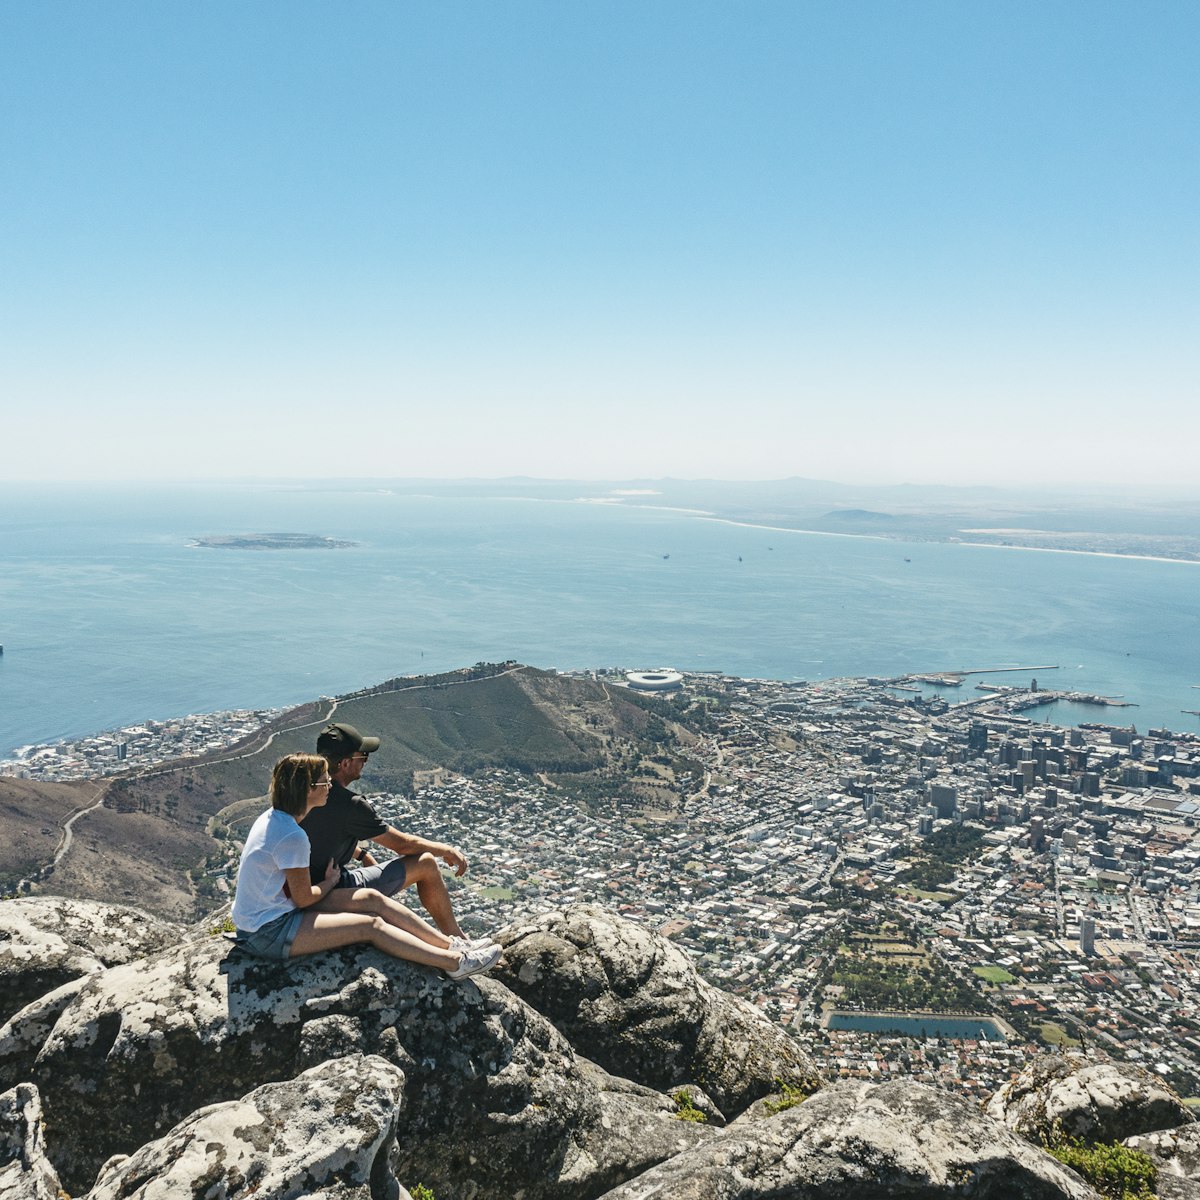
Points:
[276,907]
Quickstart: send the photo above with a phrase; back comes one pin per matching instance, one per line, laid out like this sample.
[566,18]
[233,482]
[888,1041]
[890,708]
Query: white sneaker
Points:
[474,961]
[459,944]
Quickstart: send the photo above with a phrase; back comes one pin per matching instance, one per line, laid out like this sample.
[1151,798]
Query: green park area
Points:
[497,893]
[994,974]
[1056,1035]
[942,855]
[889,969]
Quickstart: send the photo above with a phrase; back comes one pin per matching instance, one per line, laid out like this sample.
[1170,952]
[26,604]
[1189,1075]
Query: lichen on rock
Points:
[1066,1097]
[330,1131]
[25,1171]
[859,1141]
[46,941]
[493,1086]
[634,1003]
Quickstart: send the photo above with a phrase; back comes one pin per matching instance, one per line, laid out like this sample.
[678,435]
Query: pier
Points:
[955,678]
[995,670]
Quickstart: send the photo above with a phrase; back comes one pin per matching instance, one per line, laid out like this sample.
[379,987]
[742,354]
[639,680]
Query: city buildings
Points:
[821,814]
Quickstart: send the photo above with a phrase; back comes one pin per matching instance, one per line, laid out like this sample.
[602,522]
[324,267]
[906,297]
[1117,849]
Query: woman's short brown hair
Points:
[294,776]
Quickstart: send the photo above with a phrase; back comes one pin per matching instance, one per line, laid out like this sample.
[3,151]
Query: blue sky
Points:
[901,242]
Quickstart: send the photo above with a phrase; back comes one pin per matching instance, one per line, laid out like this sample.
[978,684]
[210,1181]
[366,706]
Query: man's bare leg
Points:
[423,870]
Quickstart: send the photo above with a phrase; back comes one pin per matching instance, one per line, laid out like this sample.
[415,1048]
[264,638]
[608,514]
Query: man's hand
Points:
[452,856]
[332,874]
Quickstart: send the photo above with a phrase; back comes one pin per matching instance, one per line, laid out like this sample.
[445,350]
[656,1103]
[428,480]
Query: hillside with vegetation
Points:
[34,814]
[158,828]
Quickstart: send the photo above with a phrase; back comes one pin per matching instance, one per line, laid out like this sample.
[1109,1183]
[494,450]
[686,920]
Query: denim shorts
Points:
[275,938]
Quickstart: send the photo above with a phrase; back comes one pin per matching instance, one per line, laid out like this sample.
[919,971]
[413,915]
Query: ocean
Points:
[109,615]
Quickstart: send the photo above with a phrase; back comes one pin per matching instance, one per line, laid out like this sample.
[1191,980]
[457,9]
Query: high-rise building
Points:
[977,737]
[1037,834]
[944,799]
[1087,935]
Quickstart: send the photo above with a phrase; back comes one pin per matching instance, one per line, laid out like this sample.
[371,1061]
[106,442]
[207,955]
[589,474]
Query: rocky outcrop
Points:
[630,1115]
[634,1003]
[1059,1097]
[24,1034]
[45,941]
[25,1170]
[345,1074]
[1174,1187]
[330,1131]
[863,1142]
[1176,1154]
[492,1086]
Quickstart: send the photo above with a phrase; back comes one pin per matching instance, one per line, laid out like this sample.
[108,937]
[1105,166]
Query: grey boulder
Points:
[1176,1154]
[24,1034]
[1059,1097]
[329,1133]
[45,941]
[857,1141]
[496,1101]
[25,1171]
[634,1003]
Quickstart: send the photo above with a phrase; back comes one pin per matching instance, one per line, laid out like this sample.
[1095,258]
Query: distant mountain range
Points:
[1144,522]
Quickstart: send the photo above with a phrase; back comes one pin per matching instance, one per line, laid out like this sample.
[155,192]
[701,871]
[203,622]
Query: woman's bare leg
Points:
[368,900]
[329,930]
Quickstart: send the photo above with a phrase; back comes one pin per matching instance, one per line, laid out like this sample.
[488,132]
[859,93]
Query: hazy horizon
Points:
[631,488]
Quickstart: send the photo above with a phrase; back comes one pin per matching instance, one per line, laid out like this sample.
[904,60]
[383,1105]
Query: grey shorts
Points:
[275,938]
[388,879]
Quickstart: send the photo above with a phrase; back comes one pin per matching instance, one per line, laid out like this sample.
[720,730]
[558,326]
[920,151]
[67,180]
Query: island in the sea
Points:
[272,541]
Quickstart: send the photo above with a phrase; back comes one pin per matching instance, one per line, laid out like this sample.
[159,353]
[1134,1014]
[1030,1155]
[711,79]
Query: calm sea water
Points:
[108,616]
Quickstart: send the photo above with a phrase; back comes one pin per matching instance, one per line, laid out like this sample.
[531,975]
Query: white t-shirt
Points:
[276,843]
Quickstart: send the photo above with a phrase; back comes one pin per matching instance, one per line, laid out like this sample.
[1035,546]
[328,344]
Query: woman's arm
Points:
[303,891]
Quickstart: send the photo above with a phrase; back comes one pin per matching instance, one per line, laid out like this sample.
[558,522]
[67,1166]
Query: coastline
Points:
[879,537]
[436,586]
[197,735]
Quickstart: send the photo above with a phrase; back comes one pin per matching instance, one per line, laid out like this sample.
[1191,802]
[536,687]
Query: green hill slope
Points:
[592,739]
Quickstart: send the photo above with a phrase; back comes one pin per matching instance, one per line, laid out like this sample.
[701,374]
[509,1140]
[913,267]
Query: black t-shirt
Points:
[335,829]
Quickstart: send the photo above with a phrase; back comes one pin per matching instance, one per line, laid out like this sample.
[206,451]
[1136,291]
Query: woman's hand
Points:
[301,889]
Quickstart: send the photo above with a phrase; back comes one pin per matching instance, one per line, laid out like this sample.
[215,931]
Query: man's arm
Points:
[405,844]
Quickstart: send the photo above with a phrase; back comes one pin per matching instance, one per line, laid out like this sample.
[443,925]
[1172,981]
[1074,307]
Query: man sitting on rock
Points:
[335,831]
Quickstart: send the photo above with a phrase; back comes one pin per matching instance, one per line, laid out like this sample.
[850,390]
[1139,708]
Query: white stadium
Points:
[662,680]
